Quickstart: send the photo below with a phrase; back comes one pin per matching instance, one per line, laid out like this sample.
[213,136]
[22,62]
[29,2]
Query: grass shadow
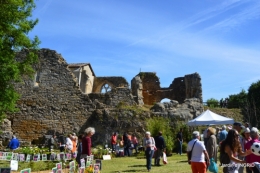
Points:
[182,161]
[142,170]
[137,166]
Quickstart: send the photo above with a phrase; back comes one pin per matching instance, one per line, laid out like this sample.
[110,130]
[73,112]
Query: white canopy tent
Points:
[210,118]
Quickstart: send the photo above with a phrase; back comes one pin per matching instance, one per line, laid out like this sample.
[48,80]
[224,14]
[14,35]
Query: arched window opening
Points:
[165,100]
[36,79]
[105,88]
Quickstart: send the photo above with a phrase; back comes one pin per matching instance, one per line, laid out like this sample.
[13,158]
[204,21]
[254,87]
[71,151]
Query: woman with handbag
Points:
[197,153]
[149,145]
[212,147]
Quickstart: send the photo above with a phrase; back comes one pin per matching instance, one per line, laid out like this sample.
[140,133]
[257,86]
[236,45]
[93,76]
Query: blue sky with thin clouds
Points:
[219,39]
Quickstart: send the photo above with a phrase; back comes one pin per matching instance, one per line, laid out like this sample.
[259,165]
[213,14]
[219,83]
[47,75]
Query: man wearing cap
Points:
[251,158]
[199,153]
[238,127]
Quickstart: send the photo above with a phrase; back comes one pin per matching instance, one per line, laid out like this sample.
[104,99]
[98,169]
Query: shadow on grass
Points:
[182,161]
[137,166]
[143,170]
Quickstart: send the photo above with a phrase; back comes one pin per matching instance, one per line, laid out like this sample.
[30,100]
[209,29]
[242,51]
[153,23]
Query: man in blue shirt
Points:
[14,143]
[223,134]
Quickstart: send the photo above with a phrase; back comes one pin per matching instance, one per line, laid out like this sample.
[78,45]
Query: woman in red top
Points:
[114,141]
[86,142]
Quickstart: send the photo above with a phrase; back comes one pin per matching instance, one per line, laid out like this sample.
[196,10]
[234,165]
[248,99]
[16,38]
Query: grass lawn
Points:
[176,163]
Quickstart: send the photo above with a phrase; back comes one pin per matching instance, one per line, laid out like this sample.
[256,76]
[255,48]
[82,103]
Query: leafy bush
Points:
[32,150]
[157,124]
[212,103]
[184,147]
[99,151]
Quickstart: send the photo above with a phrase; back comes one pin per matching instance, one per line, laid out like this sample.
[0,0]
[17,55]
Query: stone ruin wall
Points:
[113,82]
[56,104]
[53,103]
[180,89]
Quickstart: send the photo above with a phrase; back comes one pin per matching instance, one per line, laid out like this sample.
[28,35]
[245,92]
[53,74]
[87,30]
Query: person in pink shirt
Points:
[134,142]
[251,158]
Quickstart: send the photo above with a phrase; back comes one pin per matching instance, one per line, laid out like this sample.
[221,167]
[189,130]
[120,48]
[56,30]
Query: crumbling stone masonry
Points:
[55,101]
[105,84]
[180,89]
[52,102]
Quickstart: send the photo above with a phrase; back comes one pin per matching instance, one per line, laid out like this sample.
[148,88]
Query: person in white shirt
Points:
[199,153]
[69,144]
[149,145]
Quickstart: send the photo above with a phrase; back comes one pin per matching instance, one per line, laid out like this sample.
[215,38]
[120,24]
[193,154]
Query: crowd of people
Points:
[79,146]
[153,147]
[233,143]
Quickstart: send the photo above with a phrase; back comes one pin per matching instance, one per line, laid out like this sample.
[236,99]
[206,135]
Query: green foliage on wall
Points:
[16,23]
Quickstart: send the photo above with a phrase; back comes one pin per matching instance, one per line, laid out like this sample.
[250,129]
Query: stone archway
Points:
[165,100]
[103,85]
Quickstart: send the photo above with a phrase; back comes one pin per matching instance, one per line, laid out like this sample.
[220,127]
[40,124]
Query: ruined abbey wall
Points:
[57,105]
[113,82]
[180,89]
[52,102]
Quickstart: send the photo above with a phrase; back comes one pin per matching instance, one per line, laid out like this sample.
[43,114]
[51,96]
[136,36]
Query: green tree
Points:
[254,103]
[237,100]
[157,124]
[212,103]
[15,24]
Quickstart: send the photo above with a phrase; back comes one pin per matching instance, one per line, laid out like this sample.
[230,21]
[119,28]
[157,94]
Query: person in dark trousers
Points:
[180,141]
[62,142]
[51,143]
[127,144]
[79,149]
[160,148]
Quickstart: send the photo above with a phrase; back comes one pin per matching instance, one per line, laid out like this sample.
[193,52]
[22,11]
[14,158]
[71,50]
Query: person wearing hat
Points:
[149,145]
[238,127]
[251,158]
[212,147]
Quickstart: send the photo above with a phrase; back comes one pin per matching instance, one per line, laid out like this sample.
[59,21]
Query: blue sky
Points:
[219,39]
